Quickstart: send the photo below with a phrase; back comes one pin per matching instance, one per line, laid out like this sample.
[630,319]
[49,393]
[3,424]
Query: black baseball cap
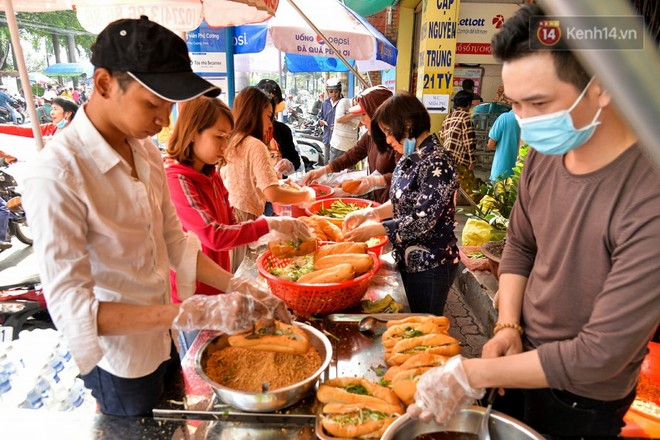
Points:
[271,87]
[155,56]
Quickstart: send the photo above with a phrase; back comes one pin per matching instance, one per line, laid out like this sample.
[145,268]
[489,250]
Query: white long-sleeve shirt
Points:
[102,235]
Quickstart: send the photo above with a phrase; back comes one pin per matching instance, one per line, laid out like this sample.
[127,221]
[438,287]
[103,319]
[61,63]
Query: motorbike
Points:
[310,128]
[22,307]
[311,151]
[9,192]
[5,116]
[295,116]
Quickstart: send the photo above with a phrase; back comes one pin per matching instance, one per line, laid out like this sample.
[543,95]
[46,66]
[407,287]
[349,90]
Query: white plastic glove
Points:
[275,306]
[443,391]
[229,313]
[313,175]
[370,183]
[309,199]
[356,218]
[290,227]
[285,167]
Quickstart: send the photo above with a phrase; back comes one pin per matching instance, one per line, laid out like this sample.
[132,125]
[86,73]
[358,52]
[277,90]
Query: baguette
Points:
[332,231]
[434,344]
[352,390]
[346,247]
[351,186]
[365,424]
[424,360]
[412,344]
[343,408]
[337,274]
[441,321]
[282,338]
[361,263]
[404,384]
[399,332]
[291,248]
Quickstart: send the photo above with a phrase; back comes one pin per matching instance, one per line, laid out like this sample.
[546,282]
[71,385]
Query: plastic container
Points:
[322,192]
[309,299]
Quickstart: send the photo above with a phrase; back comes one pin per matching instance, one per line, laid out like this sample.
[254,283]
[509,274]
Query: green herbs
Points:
[298,267]
[410,332]
[340,209]
[356,388]
[476,255]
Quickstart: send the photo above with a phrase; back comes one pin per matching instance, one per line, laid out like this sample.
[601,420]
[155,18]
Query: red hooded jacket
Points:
[202,204]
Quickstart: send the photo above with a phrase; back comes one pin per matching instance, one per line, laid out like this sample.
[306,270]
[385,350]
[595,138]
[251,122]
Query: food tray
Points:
[355,354]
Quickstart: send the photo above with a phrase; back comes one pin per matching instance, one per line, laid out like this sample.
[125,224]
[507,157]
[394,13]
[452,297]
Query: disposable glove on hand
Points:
[275,307]
[229,313]
[313,175]
[356,218]
[370,183]
[309,198]
[289,227]
[443,391]
[284,166]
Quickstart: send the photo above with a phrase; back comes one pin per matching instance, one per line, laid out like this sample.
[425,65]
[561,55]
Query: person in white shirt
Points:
[345,134]
[106,232]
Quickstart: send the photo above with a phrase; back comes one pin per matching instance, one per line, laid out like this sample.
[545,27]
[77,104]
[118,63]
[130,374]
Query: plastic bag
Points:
[477,232]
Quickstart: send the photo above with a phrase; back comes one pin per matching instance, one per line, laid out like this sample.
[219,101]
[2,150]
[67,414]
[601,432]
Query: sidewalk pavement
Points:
[470,304]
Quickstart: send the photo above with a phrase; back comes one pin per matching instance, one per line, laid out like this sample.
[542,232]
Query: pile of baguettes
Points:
[359,408]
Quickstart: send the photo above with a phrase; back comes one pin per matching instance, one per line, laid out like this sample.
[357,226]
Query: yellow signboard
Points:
[437,54]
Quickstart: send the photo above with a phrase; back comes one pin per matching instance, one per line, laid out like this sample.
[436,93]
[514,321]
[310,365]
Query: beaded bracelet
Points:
[499,326]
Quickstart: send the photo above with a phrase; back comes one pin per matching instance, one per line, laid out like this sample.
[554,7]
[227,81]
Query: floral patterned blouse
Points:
[422,195]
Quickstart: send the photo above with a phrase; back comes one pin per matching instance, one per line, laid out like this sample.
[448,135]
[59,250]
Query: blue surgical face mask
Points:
[62,123]
[555,133]
[409,146]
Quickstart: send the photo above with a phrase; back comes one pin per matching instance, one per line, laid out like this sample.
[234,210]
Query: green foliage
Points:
[498,198]
[36,28]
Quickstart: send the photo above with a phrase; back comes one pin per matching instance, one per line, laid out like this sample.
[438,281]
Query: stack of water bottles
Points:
[37,372]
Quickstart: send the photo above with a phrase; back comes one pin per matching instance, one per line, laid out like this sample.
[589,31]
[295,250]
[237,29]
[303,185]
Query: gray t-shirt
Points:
[590,245]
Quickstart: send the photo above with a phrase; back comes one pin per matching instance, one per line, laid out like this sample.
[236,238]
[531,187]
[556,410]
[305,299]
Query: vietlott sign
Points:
[477,23]
[437,53]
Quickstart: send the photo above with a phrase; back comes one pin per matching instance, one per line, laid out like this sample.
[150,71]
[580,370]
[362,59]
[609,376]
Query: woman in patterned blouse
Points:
[419,218]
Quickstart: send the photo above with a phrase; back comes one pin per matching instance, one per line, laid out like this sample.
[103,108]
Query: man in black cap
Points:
[107,234]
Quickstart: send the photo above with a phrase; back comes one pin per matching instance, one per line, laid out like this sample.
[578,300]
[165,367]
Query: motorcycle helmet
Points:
[333,84]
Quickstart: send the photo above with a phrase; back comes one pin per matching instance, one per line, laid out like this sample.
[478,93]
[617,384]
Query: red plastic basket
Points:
[326,203]
[308,299]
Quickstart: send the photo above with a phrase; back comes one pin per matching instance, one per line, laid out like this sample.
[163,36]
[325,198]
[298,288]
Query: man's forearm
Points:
[128,319]
[517,371]
[510,296]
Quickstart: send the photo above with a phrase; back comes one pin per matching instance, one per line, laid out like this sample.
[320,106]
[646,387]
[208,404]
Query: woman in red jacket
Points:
[196,146]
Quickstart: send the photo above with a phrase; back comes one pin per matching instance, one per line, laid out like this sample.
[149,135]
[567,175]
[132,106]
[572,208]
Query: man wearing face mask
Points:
[578,296]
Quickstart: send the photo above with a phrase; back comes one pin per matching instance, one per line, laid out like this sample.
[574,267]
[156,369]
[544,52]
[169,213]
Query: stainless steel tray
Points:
[355,354]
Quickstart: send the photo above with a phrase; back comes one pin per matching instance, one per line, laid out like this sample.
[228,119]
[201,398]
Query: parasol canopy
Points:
[69,69]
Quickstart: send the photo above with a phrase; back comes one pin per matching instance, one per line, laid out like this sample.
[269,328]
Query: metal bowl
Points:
[270,400]
[467,421]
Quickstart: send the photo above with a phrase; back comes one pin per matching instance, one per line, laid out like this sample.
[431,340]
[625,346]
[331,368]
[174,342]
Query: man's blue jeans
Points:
[121,397]
[4,220]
